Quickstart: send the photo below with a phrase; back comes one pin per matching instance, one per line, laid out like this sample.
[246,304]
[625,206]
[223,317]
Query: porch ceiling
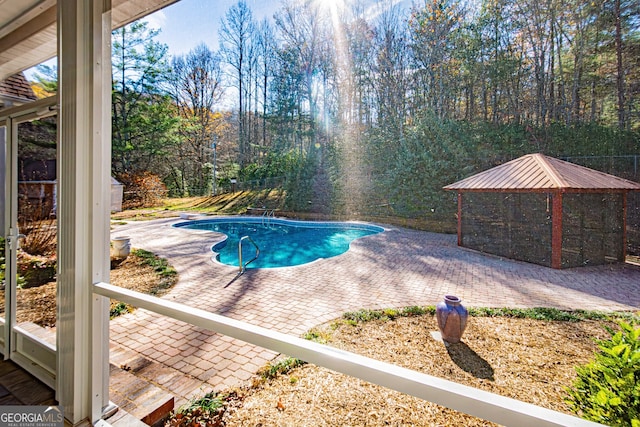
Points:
[28,29]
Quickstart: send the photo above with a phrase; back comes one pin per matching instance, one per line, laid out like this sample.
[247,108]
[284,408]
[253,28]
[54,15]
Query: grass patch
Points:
[237,203]
[119,308]
[536,313]
[544,313]
[142,271]
[223,204]
[281,367]
[209,402]
[204,411]
[317,335]
[166,273]
[366,315]
[160,265]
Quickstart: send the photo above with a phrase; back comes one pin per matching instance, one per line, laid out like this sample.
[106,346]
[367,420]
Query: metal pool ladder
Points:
[242,266]
[267,216]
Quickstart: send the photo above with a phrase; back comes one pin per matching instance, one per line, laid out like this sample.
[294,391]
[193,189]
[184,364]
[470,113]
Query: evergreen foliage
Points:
[354,114]
[607,389]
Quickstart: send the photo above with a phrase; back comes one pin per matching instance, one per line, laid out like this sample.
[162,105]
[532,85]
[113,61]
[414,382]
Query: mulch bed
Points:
[529,360]
[525,359]
[38,304]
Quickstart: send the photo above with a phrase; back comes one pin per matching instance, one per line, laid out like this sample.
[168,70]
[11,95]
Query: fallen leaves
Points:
[529,360]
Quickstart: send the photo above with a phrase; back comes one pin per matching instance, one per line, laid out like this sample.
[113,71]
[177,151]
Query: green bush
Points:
[607,389]
[36,270]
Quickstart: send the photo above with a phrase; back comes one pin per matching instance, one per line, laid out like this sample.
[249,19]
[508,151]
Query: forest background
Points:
[350,114]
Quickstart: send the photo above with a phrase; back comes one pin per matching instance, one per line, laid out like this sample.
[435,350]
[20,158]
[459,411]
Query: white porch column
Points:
[84,66]
[3,165]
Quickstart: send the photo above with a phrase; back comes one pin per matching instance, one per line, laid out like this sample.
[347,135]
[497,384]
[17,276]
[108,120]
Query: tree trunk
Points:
[620,71]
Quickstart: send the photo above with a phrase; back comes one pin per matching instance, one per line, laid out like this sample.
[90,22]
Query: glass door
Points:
[28,297]
[4,282]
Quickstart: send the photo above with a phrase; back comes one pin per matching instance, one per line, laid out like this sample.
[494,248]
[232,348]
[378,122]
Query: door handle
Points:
[14,241]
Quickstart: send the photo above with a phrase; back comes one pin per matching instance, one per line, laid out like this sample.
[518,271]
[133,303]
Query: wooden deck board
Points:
[18,387]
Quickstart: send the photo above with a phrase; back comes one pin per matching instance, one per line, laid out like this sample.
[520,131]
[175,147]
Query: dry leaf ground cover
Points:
[522,358]
[141,271]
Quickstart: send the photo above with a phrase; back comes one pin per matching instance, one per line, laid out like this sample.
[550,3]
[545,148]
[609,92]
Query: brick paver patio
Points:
[397,268]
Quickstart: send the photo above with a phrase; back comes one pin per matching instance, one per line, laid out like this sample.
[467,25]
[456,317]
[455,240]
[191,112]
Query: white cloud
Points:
[156,20]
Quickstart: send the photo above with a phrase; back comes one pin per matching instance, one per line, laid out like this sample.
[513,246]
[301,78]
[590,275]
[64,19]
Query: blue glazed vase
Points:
[452,318]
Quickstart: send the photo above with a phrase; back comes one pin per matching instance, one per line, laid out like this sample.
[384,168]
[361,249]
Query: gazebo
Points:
[546,211]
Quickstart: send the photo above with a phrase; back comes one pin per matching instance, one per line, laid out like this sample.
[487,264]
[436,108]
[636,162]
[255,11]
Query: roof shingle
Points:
[17,86]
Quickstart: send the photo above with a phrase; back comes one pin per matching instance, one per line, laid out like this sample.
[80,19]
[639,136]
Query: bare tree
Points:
[390,69]
[197,89]
[266,54]
[236,33]
[303,31]
[433,29]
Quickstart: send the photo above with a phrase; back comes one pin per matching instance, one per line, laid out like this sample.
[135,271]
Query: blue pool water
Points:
[282,243]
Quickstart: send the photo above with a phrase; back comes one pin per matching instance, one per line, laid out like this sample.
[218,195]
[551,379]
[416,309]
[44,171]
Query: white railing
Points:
[472,401]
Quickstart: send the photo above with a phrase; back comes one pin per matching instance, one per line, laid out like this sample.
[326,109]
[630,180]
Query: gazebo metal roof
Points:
[537,172]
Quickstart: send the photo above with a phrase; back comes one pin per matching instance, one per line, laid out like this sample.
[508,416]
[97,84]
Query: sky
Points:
[187,23]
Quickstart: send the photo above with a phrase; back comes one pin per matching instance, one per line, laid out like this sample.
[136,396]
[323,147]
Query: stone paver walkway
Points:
[396,268]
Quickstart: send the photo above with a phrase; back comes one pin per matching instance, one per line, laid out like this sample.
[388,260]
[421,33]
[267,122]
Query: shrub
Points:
[36,259]
[607,389]
[41,237]
[142,190]
[38,225]
[35,269]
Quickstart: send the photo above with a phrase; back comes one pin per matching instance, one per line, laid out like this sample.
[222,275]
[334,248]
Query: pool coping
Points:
[187,225]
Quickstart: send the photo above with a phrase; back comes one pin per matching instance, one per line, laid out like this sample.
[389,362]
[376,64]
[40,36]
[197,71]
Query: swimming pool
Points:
[282,243]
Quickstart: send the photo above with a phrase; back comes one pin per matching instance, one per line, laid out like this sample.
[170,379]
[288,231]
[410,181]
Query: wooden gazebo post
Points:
[556,230]
[459,219]
[624,224]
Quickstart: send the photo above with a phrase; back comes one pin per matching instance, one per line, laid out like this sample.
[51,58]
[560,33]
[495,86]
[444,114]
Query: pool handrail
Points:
[242,267]
[268,213]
